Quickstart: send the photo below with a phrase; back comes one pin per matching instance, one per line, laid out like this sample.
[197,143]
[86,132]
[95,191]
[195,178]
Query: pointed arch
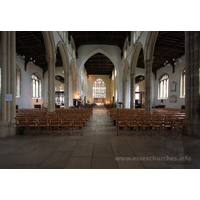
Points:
[119,89]
[49,44]
[150,45]
[95,52]
[72,72]
[136,51]
[65,60]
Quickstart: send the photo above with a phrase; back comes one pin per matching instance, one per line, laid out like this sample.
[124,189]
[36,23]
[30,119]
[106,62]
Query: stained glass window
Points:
[99,89]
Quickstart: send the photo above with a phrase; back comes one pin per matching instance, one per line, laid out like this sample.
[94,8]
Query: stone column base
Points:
[194,129]
[7,129]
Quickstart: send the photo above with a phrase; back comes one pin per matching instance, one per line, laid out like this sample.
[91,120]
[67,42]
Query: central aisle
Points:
[99,148]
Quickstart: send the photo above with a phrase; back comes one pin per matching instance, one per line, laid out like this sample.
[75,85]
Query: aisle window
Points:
[163,86]
[182,84]
[137,89]
[36,86]
[18,82]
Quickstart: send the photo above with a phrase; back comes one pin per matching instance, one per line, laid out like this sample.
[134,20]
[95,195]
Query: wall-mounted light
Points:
[77,95]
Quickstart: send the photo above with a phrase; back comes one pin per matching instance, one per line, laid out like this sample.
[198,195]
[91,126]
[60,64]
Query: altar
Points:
[99,100]
[100,104]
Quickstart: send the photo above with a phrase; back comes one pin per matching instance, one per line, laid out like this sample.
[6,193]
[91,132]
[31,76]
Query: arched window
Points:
[99,89]
[18,82]
[163,86]
[36,86]
[137,89]
[182,83]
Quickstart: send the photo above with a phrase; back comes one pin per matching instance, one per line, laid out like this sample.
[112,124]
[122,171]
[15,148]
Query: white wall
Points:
[25,100]
[172,77]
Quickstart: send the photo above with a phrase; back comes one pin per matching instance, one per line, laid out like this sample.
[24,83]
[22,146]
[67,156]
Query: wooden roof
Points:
[169,45]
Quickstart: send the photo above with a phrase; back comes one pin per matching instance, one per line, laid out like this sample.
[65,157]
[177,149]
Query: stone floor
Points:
[99,148]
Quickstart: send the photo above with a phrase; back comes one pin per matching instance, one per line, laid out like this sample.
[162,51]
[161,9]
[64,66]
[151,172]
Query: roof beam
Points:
[33,52]
[36,37]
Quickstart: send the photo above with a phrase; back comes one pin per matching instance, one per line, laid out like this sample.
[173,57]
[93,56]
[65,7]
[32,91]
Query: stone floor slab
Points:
[66,145]
[104,163]
[83,150]
[79,163]
[36,157]
[102,150]
[56,160]
[10,159]
[122,149]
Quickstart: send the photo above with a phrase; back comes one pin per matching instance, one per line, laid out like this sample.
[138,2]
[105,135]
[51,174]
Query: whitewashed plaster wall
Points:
[59,71]
[112,52]
[172,77]
[141,86]
[25,100]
